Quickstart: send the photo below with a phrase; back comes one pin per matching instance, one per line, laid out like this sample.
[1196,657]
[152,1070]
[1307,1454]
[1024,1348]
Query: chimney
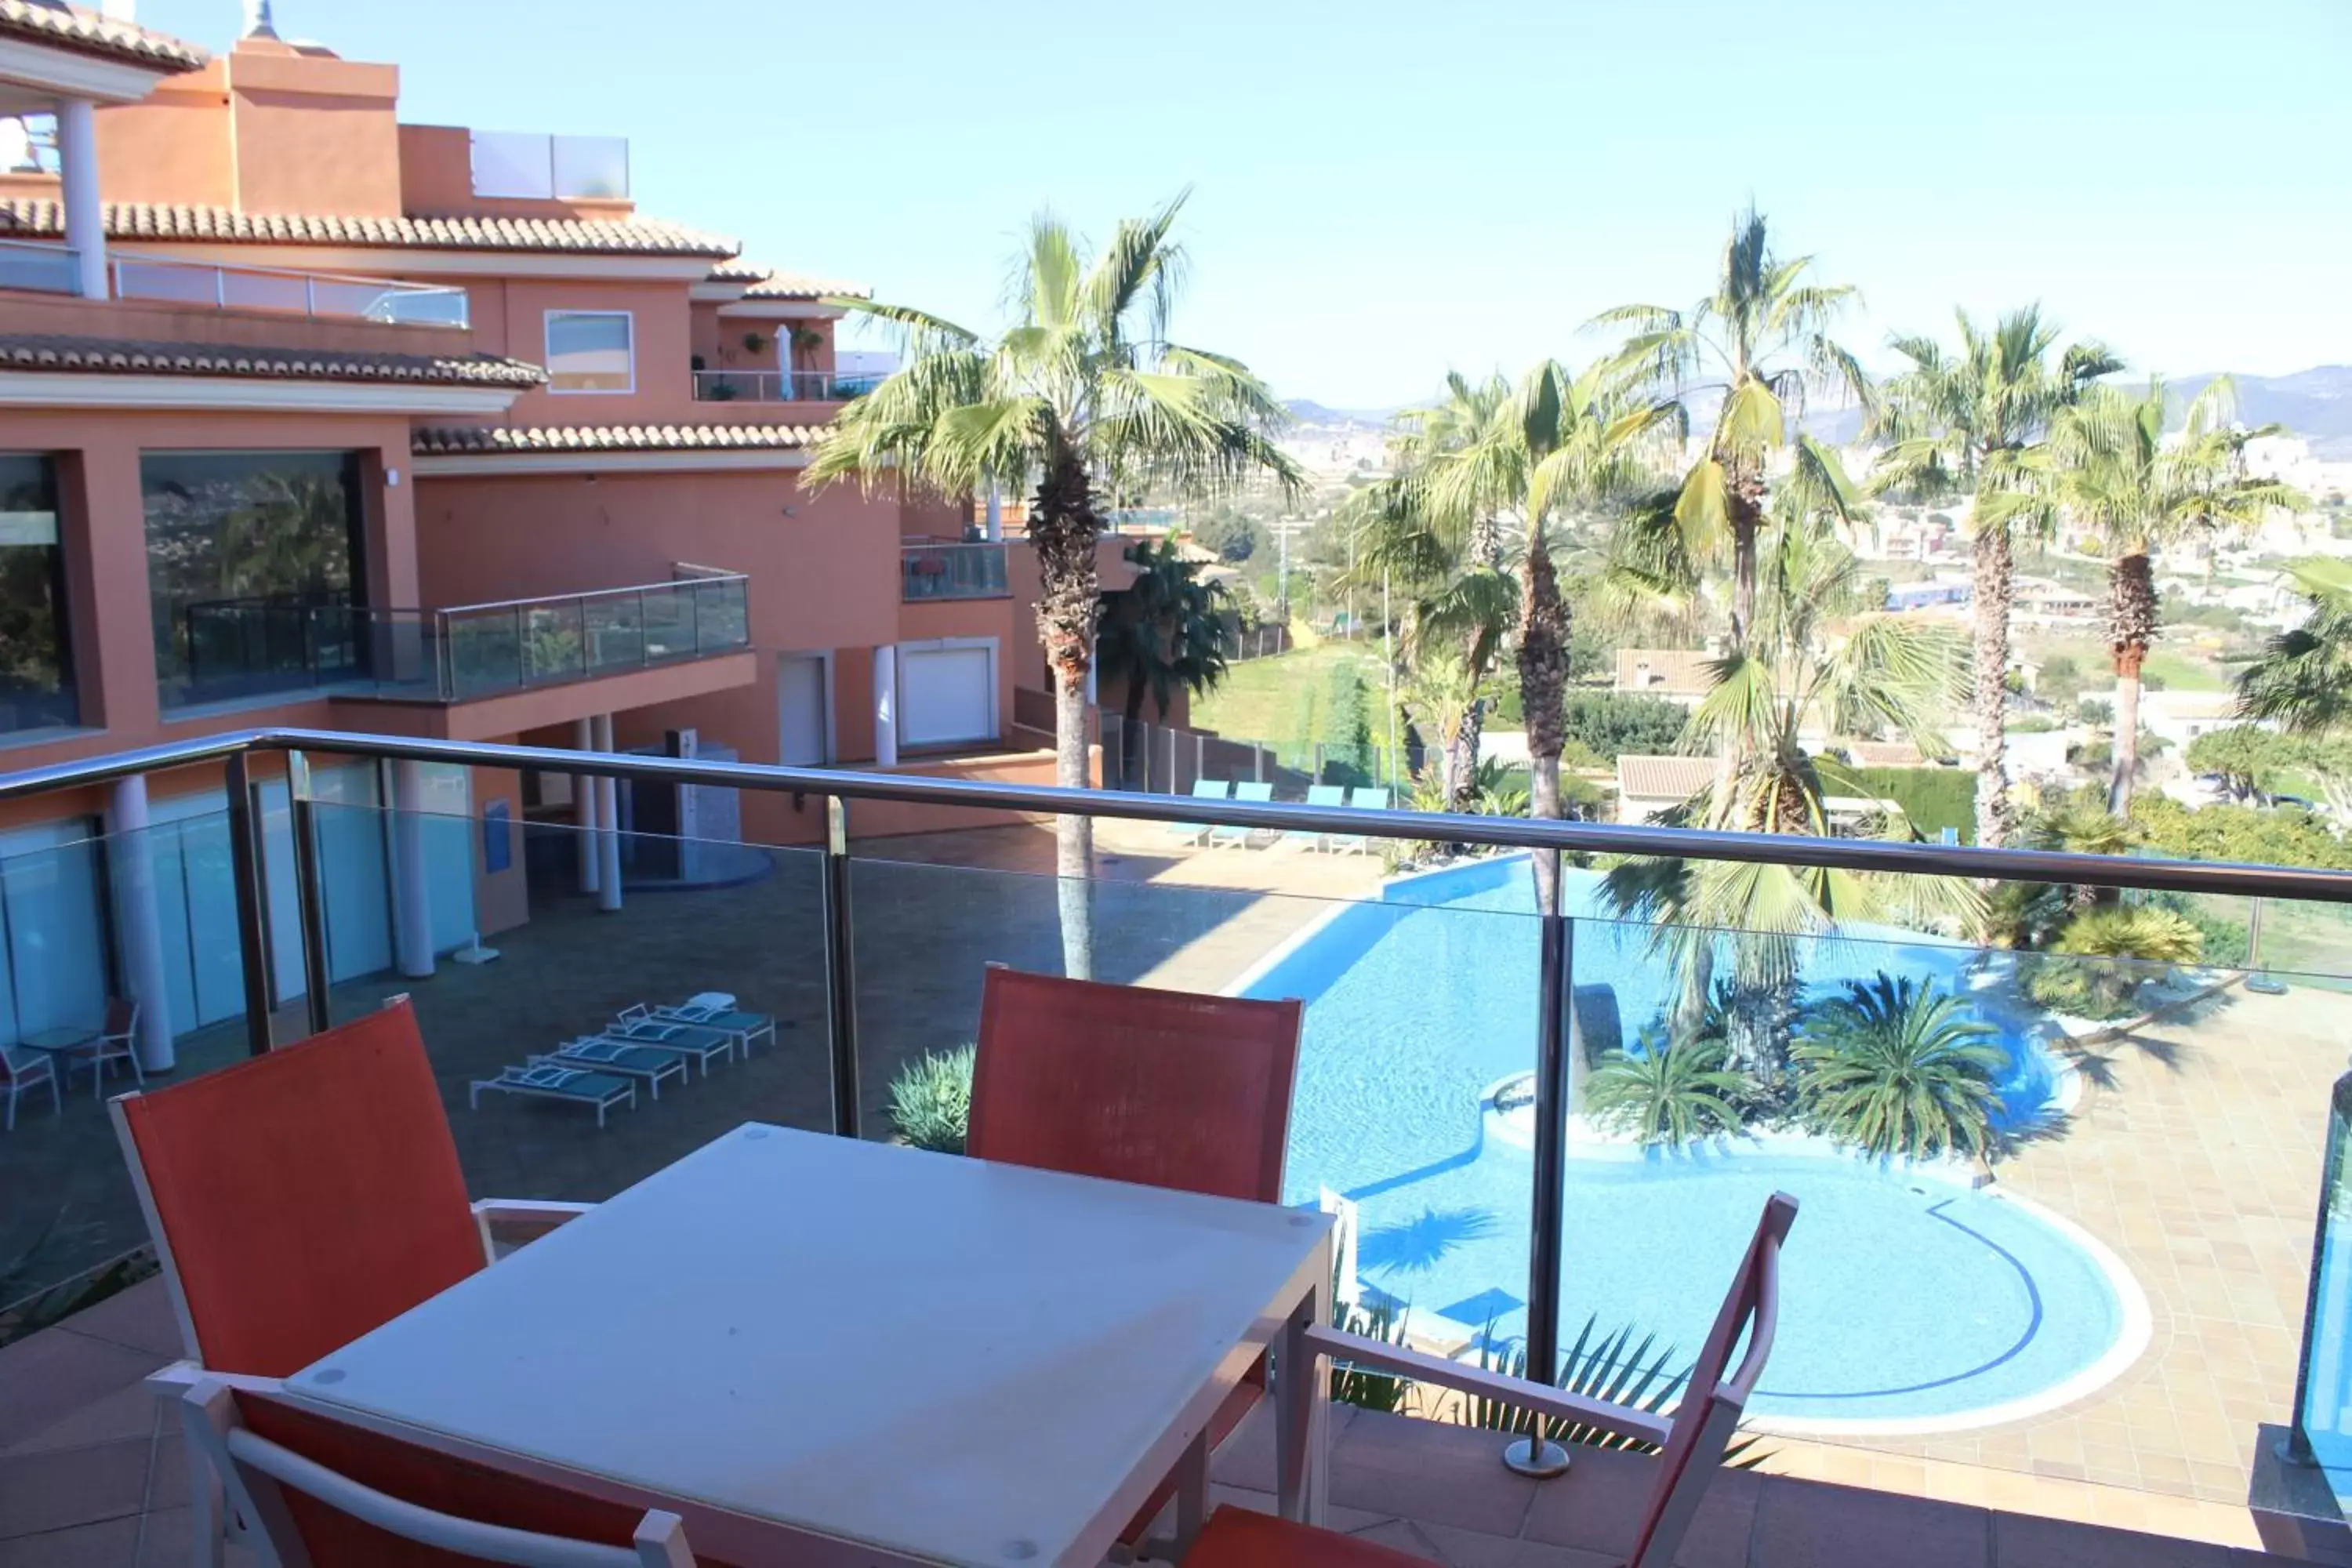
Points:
[256,20]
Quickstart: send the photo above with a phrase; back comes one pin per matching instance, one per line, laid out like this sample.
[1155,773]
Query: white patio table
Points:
[824,1350]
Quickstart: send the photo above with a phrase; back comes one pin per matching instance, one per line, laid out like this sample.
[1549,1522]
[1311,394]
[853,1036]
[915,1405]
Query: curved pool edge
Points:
[2132,1342]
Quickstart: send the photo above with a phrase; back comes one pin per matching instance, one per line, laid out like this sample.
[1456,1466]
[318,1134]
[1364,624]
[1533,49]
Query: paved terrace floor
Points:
[92,1478]
[2194,1153]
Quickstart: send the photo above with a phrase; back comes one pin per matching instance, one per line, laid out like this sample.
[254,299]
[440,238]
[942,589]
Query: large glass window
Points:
[37,684]
[590,350]
[255,567]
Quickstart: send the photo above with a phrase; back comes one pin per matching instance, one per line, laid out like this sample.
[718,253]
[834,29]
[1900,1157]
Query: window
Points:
[255,568]
[36,683]
[590,350]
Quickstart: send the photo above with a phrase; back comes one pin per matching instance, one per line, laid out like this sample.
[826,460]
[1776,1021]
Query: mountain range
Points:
[2315,403]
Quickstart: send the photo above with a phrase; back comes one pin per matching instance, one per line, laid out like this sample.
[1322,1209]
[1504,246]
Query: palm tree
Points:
[2137,492]
[1761,342]
[1459,601]
[1557,442]
[2302,681]
[1977,422]
[1900,1068]
[1085,394]
[1163,632]
[1672,1092]
[1819,655]
[2115,949]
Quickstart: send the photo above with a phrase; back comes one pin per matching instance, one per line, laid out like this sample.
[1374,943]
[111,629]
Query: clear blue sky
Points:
[1386,190]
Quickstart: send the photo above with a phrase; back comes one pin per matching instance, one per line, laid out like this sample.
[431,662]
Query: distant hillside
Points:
[2315,403]
[1306,411]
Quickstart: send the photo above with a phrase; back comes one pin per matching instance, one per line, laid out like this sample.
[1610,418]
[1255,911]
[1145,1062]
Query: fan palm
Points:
[1556,443]
[1459,601]
[1977,422]
[2137,491]
[1671,1093]
[1818,657]
[1900,1068]
[2302,681]
[1759,344]
[2111,949]
[1162,633]
[1085,394]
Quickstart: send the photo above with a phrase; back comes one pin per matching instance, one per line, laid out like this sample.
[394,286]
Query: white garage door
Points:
[947,692]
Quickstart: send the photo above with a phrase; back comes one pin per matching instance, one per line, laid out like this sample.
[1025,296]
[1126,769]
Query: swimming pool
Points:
[1911,1302]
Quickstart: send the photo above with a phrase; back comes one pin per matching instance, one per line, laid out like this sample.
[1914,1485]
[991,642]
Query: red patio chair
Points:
[324,1492]
[1166,1089]
[1691,1443]
[300,1199]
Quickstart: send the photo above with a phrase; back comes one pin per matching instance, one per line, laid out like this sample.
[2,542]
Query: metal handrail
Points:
[222,271]
[688,582]
[837,790]
[2226,878]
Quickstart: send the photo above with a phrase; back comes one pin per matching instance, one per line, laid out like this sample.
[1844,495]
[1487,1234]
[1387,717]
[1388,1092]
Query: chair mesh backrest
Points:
[426,1478]
[1700,1394]
[1163,1088]
[121,1016]
[305,1197]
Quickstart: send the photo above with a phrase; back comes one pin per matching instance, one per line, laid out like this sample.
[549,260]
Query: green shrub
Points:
[1348,751]
[2073,986]
[1613,723]
[1933,798]
[931,1100]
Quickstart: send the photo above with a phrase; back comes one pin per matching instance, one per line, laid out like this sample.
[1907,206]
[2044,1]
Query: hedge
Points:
[1933,798]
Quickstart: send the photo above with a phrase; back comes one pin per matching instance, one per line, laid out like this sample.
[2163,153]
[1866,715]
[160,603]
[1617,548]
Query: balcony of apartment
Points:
[620,648]
[2087,1347]
[35,267]
[782,386]
[940,570]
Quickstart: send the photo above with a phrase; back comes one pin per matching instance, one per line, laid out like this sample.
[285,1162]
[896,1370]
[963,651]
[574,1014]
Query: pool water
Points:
[1905,1299]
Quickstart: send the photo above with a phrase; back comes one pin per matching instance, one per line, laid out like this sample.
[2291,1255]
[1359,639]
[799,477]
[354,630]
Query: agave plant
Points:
[1612,1368]
[1898,1067]
[931,1100]
[1669,1093]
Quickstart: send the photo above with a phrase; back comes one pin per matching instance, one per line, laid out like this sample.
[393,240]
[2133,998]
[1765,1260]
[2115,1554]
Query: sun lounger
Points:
[643,1063]
[1196,832]
[1367,797]
[1263,794]
[745,1026]
[687,1039]
[1319,794]
[599,1089]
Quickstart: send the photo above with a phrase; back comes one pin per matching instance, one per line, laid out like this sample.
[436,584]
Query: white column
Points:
[608,826]
[85,212]
[995,513]
[585,791]
[412,903]
[137,923]
[885,706]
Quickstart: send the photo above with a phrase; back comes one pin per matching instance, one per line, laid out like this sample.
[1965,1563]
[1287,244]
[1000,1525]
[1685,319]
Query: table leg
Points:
[1191,1495]
[1302,1408]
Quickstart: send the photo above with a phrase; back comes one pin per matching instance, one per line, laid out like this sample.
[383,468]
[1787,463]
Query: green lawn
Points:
[1261,699]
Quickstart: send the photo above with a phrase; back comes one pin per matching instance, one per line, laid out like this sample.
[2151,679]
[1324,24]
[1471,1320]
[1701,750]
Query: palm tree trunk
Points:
[1130,732]
[1543,682]
[1995,567]
[2131,628]
[1462,758]
[1062,530]
[1743,505]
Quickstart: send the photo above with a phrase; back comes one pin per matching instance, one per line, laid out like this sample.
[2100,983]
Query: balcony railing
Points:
[319,296]
[782,387]
[951,572]
[251,649]
[1461,1049]
[41,269]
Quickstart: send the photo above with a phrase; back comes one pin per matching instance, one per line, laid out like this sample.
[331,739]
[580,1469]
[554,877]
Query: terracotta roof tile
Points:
[1664,672]
[767,283]
[118,356]
[89,33]
[1663,778]
[227,225]
[613,439]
